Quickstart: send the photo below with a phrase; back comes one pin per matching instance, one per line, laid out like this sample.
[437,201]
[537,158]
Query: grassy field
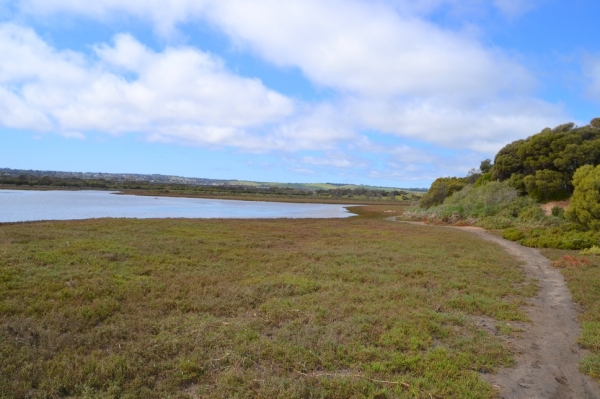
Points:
[342,308]
[584,283]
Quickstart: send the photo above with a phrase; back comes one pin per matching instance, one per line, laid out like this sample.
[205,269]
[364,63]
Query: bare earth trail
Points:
[547,354]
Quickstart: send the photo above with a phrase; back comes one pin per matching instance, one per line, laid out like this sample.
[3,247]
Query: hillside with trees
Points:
[555,164]
[543,165]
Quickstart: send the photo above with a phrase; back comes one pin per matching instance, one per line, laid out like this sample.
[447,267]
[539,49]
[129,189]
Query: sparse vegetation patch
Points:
[357,307]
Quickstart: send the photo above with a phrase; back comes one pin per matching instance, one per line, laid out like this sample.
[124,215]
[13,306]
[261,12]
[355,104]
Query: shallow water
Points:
[29,205]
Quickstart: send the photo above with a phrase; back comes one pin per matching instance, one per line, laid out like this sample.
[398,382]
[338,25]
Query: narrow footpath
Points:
[546,352]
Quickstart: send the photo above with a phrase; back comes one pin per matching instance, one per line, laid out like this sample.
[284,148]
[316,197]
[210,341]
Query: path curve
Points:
[548,355]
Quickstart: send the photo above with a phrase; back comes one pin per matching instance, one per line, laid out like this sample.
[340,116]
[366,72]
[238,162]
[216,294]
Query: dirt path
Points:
[547,354]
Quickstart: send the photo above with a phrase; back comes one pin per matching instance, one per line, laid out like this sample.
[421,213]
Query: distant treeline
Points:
[213,190]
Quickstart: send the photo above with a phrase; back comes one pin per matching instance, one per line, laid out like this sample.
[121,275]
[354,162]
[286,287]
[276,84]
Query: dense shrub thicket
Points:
[550,165]
[492,205]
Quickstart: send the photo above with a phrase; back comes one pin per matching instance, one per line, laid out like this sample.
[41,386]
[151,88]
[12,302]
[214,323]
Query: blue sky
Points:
[380,92]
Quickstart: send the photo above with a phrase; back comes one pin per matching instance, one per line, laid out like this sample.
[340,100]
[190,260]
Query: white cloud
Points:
[591,68]
[367,49]
[180,94]
[392,71]
[350,45]
[515,8]
[456,124]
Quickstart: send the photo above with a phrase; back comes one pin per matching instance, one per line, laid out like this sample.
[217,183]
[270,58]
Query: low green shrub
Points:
[513,234]
[532,213]
[495,222]
[558,212]
[594,250]
[557,238]
[514,207]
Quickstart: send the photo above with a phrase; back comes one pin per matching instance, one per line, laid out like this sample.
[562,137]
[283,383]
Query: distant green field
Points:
[317,186]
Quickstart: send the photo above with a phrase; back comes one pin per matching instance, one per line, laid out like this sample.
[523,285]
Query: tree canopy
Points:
[585,202]
[441,189]
[543,165]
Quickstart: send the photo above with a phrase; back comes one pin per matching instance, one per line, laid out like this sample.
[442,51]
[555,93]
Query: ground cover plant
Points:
[582,273]
[343,308]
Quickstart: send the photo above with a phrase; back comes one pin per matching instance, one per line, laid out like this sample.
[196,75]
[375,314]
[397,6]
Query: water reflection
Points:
[29,205]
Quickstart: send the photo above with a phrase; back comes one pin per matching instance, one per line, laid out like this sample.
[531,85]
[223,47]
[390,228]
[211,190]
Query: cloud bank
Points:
[391,69]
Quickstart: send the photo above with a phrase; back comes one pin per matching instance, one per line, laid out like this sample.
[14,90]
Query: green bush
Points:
[495,206]
[595,250]
[486,200]
[483,179]
[495,222]
[556,238]
[546,185]
[585,202]
[558,212]
[441,189]
[531,213]
[513,234]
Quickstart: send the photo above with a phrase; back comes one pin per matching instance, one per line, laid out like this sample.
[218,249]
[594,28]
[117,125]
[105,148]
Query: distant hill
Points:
[195,181]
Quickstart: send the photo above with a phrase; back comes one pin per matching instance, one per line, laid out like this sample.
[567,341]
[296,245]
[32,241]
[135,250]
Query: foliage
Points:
[543,165]
[513,234]
[558,238]
[546,185]
[485,178]
[495,222]
[532,213]
[488,200]
[558,212]
[585,202]
[251,308]
[485,166]
[441,189]
[594,250]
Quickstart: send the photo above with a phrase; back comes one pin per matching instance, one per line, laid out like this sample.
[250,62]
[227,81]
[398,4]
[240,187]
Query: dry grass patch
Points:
[341,308]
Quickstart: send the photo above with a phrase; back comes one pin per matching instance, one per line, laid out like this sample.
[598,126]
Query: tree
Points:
[441,189]
[545,185]
[585,202]
[563,149]
[485,166]
[473,175]
[507,161]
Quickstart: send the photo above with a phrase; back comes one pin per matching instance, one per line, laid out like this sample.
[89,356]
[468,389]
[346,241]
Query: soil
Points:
[546,351]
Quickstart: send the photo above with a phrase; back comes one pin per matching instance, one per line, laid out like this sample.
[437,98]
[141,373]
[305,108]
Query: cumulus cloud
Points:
[367,49]
[453,123]
[392,71]
[349,45]
[180,94]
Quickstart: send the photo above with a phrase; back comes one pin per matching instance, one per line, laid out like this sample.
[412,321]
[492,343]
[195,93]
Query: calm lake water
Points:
[26,205]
